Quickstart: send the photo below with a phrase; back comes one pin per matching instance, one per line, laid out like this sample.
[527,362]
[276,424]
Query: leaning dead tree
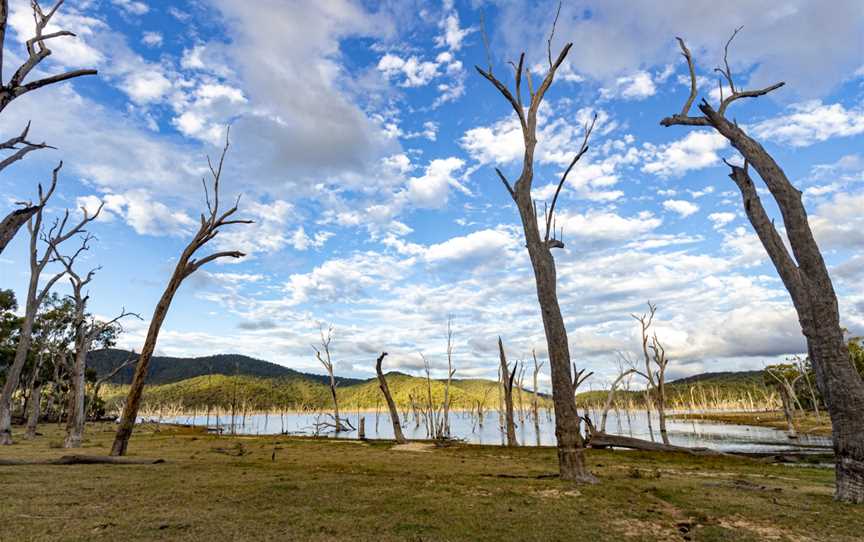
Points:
[19,146]
[385,389]
[570,442]
[624,372]
[507,379]
[211,224]
[86,332]
[37,290]
[803,272]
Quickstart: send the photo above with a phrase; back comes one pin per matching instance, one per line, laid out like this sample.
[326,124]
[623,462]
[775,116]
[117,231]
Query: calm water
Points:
[717,436]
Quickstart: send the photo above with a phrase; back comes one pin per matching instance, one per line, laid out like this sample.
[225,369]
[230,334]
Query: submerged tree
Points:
[323,356]
[803,272]
[654,355]
[571,459]
[19,146]
[507,379]
[187,264]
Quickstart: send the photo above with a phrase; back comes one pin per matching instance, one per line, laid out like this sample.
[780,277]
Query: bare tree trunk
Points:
[509,377]
[34,410]
[56,235]
[186,265]
[804,274]
[394,414]
[75,421]
[571,461]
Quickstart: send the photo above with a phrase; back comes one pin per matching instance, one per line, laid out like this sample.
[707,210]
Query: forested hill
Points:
[166,370]
[722,379]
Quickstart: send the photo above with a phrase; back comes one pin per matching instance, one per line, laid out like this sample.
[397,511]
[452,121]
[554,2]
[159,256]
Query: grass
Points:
[805,422]
[231,488]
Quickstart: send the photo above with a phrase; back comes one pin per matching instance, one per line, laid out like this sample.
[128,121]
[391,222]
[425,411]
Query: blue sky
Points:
[364,143]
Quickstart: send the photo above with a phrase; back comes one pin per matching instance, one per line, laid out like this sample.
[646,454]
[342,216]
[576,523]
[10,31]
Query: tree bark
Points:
[75,419]
[13,222]
[33,410]
[385,389]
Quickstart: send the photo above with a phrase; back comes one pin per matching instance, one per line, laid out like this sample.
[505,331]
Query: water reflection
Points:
[529,432]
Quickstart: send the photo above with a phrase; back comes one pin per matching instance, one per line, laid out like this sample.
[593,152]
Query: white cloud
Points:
[152,39]
[721,219]
[132,7]
[432,189]
[416,72]
[696,150]
[684,208]
[636,86]
[635,34]
[811,122]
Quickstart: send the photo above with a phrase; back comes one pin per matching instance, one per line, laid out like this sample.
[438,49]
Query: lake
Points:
[691,433]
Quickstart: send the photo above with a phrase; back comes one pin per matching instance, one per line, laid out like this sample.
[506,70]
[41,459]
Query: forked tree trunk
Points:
[804,274]
[808,282]
[385,389]
[508,377]
[571,461]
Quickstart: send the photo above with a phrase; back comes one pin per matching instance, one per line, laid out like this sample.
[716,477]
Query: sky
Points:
[364,143]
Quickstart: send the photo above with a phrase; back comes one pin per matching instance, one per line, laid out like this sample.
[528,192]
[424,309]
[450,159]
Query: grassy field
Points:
[805,422]
[278,488]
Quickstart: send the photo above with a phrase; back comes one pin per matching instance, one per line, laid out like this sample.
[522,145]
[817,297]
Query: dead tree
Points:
[451,370]
[53,237]
[187,264]
[327,363]
[570,443]
[803,273]
[623,373]
[535,399]
[86,333]
[788,397]
[656,361]
[508,377]
[20,146]
[385,389]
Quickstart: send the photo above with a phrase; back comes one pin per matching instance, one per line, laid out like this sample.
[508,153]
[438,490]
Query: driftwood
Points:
[83,460]
[605,440]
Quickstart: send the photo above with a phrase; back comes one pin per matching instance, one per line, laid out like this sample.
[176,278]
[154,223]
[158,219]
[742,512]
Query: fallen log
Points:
[605,440]
[83,460]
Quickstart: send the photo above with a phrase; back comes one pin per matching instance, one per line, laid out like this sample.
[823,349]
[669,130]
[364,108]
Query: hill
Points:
[166,370]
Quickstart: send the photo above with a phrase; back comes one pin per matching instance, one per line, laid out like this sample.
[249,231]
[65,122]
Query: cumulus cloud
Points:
[625,36]
[696,150]
[682,207]
[431,190]
[811,122]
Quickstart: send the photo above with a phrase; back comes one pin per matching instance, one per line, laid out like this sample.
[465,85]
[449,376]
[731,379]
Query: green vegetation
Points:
[300,393]
[280,488]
